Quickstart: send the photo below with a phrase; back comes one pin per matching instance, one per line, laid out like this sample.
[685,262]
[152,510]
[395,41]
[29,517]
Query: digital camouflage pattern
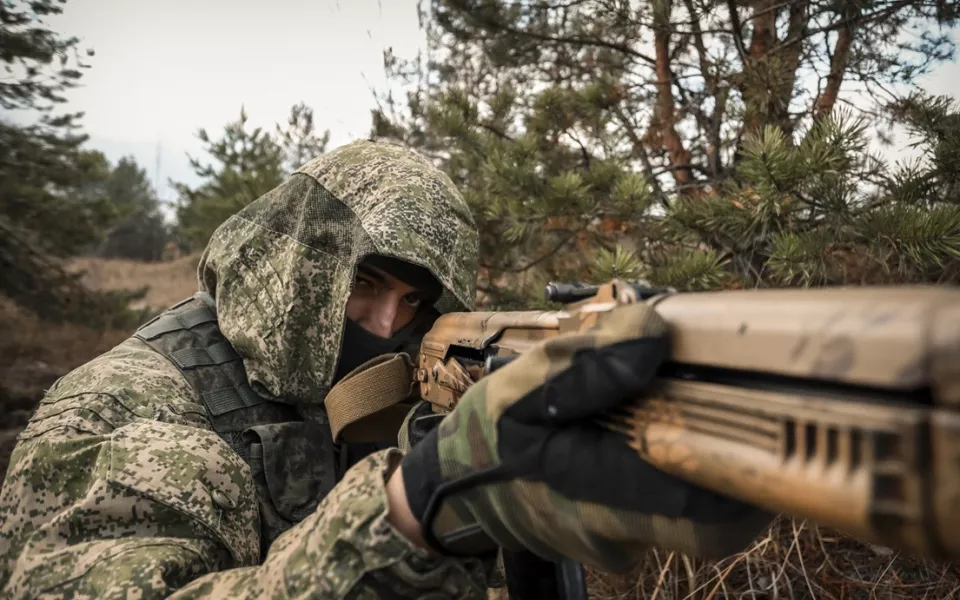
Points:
[281,269]
[348,549]
[120,488]
[471,439]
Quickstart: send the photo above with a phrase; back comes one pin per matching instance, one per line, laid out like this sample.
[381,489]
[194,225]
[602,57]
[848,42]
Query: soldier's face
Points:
[381,303]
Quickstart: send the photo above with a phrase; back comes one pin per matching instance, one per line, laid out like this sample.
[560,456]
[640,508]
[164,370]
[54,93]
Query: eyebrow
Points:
[378,276]
[371,273]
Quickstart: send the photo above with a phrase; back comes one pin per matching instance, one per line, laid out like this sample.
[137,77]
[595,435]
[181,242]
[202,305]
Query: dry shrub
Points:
[167,282]
[792,560]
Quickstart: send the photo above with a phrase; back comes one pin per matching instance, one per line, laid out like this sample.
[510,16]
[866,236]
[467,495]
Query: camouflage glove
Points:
[520,463]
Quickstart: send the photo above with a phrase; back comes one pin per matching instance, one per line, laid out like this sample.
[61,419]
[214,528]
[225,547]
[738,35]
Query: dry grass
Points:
[167,282]
[793,560]
[66,345]
[29,346]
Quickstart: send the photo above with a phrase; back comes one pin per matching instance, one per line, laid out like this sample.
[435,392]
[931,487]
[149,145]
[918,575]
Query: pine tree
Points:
[52,200]
[825,212]
[140,232]
[675,142]
[299,139]
[675,135]
[247,164]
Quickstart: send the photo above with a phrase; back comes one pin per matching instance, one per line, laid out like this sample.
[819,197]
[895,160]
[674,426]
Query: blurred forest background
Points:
[700,144]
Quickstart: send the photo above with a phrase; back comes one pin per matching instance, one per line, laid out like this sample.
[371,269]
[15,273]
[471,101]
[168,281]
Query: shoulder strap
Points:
[188,335]
[369,403]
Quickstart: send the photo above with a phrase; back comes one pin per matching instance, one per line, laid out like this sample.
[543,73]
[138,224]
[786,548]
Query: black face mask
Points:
[359,346]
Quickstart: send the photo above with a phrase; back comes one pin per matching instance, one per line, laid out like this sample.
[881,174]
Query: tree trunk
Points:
[754,90]
[678,156]
[838,64]
[790,57]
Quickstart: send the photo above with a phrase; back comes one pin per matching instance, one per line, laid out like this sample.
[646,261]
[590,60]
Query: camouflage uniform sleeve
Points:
[149,508]
[347,549]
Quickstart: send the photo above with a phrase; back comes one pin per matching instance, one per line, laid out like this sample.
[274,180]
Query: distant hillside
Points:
[168,282]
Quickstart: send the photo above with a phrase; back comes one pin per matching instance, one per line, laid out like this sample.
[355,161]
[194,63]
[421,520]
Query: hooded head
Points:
[281,269]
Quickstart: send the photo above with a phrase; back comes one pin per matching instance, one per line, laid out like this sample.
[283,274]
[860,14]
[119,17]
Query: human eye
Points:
[413,300]
[364,281]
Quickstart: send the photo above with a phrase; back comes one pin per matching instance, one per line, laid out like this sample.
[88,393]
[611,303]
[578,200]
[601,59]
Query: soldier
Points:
[196,459]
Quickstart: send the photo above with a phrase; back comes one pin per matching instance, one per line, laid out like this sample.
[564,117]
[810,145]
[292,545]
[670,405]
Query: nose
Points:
[383,316]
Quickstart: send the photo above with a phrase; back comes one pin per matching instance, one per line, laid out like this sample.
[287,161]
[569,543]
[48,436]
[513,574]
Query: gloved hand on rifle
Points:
[521,462]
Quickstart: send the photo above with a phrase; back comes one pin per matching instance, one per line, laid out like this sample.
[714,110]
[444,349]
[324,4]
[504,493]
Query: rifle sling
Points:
[368,405]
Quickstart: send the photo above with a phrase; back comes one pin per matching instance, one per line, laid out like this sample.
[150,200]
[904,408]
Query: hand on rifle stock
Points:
[521,462]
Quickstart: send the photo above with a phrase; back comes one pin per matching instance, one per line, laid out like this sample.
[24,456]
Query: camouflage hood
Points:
[281,269]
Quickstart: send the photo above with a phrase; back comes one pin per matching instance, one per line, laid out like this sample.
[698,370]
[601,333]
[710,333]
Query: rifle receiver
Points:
[568,293]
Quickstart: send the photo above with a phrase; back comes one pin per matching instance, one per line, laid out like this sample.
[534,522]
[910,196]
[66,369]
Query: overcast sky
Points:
[164,69]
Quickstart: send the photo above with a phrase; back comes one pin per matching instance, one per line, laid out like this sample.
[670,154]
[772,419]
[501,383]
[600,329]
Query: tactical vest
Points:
[294,460]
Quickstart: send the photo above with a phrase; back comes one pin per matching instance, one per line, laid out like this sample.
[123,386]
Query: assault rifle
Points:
[837,405]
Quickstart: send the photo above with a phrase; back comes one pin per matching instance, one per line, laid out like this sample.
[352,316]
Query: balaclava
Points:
[360,345]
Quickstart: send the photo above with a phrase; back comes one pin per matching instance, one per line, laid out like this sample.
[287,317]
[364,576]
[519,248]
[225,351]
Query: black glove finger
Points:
[421,422]
[597,379]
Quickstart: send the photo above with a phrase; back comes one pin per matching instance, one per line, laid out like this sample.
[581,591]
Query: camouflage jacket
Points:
[120,487]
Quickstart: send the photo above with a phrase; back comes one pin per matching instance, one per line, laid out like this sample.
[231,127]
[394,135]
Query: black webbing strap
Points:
[216,354]
[224,400]
[174,322]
